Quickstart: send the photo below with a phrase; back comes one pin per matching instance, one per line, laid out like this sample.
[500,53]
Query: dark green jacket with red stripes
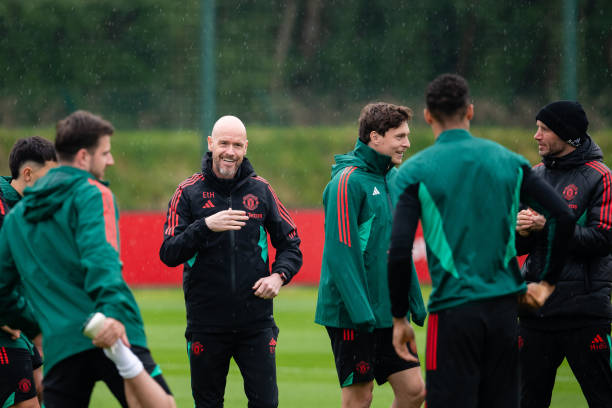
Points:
[353,291]
[220,268]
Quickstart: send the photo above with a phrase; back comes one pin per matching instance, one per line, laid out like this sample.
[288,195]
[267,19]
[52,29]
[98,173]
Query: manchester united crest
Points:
[197,348]
[569,192]
[362,367]
[24,385]
[250,202]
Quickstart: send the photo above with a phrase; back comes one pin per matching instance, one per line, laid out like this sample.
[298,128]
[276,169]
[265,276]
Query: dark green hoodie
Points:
[353,290]
[10,197]
[61,242]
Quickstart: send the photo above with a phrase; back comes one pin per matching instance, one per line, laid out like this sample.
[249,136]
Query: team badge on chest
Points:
[569,192]
[250,202]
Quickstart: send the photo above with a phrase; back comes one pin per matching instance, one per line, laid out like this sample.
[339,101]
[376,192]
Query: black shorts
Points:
[254,352]
[70,382]
[16,379]
[362,356]
[472,355]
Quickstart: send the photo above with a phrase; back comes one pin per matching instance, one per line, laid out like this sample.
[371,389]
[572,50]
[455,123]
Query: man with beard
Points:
[217,225]
[61,243]
[575,322]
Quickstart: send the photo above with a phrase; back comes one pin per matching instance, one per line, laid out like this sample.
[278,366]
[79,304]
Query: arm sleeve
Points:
[343,254]
[284,238]
[15,311]
[183,236]
[405,223]
[593,236]
[97,239]
[536,192]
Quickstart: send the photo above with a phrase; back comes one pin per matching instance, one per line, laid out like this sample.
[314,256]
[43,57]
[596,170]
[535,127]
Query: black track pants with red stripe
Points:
[587,351]
[472,355]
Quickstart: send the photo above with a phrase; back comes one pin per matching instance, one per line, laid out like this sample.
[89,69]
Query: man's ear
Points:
[81,158]
[375,137]
[210,142]
[26,173]
[469,114]
[428,116]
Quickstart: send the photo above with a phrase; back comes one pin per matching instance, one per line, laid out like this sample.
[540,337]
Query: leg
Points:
[255,355]
[455,340]
[131,381]
[405,377]
[357,395]
[408,388]
[499,385]
[539,358]
[588,353]
[354,357]
[69,383]
[209,358]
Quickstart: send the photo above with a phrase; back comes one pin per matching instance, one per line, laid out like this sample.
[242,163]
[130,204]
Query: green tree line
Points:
[291,61]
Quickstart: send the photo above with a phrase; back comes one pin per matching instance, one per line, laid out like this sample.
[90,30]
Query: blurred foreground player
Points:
[466,192]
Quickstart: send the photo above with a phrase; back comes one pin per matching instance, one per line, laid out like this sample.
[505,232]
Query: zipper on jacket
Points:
[388,195]
[232,254]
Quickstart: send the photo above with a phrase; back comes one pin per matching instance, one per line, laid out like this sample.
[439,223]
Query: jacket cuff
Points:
[284,275]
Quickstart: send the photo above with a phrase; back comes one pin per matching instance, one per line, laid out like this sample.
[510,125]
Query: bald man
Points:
[217,226]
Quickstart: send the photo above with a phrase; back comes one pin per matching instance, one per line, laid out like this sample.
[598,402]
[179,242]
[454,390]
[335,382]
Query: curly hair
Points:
[447,97]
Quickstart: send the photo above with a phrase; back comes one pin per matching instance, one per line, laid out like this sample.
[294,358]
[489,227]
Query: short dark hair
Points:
[380,117]
[35,149]
[447,97]
[80,130]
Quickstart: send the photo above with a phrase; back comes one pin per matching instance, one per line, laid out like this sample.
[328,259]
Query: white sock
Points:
[128,365]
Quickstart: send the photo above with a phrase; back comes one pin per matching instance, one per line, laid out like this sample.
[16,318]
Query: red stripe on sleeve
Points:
[2,209]
[108,210]
[340,208]
[605,214]
[173,217]
[281,208]
[345,207]
[431,358]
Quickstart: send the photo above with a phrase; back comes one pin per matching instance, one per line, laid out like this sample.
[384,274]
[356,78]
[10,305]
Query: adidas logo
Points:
[375,192]
[598,344]
[209,204]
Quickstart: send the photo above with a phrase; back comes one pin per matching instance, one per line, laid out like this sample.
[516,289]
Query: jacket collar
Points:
[374,161]
[453,135]
[587,151]
[244,172]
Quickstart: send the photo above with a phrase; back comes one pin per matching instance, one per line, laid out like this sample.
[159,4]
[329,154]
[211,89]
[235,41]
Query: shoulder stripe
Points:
[344,227]
[108,209]
[605,215]
[2,209]
[172,220]
[538,165]
[281,208]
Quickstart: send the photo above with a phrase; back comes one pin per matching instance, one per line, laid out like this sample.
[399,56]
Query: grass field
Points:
[306,374]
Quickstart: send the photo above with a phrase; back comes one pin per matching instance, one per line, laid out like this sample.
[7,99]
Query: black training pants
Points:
[255,354]
[587,350]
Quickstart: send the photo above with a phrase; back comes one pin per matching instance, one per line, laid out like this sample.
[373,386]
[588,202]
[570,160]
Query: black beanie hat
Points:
[567,119]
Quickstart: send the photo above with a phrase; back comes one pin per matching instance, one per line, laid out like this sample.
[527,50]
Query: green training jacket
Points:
[463,180]
[353,290]
[61,242]
[11,197]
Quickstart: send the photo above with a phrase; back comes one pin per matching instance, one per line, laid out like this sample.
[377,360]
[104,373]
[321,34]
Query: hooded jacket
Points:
[61,242]
[220,268]
[8,198]
[353,290]
[582,294]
